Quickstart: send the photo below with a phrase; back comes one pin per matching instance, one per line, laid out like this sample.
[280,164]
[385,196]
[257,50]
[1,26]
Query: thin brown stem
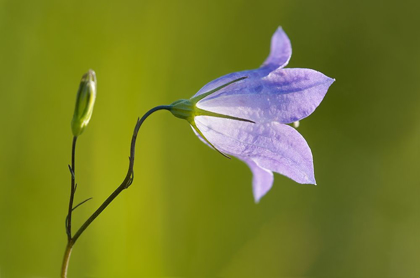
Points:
[73,187]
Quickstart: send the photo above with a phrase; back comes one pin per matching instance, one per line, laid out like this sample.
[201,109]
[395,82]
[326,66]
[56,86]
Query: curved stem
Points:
[125,184]
[128,178]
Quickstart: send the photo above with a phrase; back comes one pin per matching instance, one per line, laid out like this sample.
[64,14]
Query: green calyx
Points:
[85,102]
[187,109]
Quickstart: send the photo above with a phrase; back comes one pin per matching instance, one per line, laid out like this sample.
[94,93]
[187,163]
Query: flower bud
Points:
[84,103]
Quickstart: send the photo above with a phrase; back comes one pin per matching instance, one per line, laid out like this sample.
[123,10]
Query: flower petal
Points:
[280,52]
[262,179]
[284,95]
[272,146]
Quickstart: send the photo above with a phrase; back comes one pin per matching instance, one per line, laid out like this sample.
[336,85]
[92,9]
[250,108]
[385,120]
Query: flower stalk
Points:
[124,185]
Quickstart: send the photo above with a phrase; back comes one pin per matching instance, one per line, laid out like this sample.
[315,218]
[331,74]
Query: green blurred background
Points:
[190,212]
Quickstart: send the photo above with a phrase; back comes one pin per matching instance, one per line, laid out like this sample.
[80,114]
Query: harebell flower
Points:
[245,114]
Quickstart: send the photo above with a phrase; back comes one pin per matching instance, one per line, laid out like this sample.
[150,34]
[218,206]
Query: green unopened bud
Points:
[84,103]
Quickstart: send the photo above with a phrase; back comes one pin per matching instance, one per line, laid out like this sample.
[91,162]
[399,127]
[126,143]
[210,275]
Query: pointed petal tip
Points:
[304,180]
[280,50]
[312,181]
[311,178]
[258,196]
[262,179]
[307,177]
[279,29]
[326,79]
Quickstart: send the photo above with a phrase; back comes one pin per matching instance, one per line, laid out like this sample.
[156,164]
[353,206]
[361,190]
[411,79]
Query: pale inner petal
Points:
[274,146]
